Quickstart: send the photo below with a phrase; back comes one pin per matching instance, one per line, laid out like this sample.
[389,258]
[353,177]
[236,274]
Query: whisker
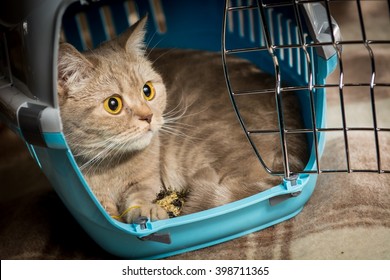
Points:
[177,132]
[98,157]
[177,109]
[161,55]
[150,41]
[175,127]
[174,121]
[180,111]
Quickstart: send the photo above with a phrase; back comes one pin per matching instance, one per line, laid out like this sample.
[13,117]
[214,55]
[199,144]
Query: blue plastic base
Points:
[187,233]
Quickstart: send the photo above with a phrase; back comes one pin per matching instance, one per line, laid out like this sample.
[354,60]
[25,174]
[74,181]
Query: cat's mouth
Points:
[142,139]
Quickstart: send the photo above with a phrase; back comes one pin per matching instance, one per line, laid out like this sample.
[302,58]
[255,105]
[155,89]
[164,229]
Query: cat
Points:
[139,122]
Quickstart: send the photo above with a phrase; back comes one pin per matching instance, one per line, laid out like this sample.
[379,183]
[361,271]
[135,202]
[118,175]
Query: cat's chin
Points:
[140,142]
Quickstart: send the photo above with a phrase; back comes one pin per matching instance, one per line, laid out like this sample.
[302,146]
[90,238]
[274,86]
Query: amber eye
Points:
[148,91]
[113,105]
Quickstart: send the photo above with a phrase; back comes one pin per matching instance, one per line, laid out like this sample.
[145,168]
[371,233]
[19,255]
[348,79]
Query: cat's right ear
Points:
[73,67]
[132,40]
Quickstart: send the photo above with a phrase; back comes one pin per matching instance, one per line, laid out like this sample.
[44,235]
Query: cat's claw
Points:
[152,211]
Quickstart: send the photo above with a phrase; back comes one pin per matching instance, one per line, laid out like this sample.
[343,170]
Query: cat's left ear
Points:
[133,38]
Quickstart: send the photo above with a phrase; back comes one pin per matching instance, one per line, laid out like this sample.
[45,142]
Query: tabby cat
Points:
[139,122]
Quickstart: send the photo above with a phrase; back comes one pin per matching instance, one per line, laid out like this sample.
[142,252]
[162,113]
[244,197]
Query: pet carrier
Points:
[297,41]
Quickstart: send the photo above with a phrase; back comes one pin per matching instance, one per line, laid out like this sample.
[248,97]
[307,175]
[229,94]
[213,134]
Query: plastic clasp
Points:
[142,223]
[293,184]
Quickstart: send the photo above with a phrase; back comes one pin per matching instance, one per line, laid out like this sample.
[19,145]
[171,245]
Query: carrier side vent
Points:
[5,69]
[158,16]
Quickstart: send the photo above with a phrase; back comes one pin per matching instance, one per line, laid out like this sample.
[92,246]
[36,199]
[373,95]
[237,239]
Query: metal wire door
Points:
[316,30]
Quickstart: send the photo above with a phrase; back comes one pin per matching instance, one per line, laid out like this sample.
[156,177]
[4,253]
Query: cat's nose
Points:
[147,118]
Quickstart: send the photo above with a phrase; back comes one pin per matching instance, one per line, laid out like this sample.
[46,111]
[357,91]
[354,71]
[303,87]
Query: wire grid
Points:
[263,39]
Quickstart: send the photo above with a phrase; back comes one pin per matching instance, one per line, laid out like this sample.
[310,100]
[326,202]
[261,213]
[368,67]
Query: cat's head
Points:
[111,100]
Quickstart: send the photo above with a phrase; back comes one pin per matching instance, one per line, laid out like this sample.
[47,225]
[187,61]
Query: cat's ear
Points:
[72,66]
[132,40]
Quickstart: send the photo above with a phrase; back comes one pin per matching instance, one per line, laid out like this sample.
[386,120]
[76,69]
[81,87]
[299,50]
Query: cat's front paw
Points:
[152,211]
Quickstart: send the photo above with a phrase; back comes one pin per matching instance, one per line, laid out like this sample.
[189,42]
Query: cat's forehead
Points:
[127,64]
[120,77]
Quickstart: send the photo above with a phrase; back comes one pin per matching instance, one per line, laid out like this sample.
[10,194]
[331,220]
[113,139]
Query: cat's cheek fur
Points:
[159,103]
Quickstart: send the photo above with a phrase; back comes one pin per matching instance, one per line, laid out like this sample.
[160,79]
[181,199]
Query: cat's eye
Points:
[113,105]
[148,91]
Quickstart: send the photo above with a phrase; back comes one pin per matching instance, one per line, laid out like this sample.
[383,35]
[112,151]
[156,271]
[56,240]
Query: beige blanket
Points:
[348,216]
